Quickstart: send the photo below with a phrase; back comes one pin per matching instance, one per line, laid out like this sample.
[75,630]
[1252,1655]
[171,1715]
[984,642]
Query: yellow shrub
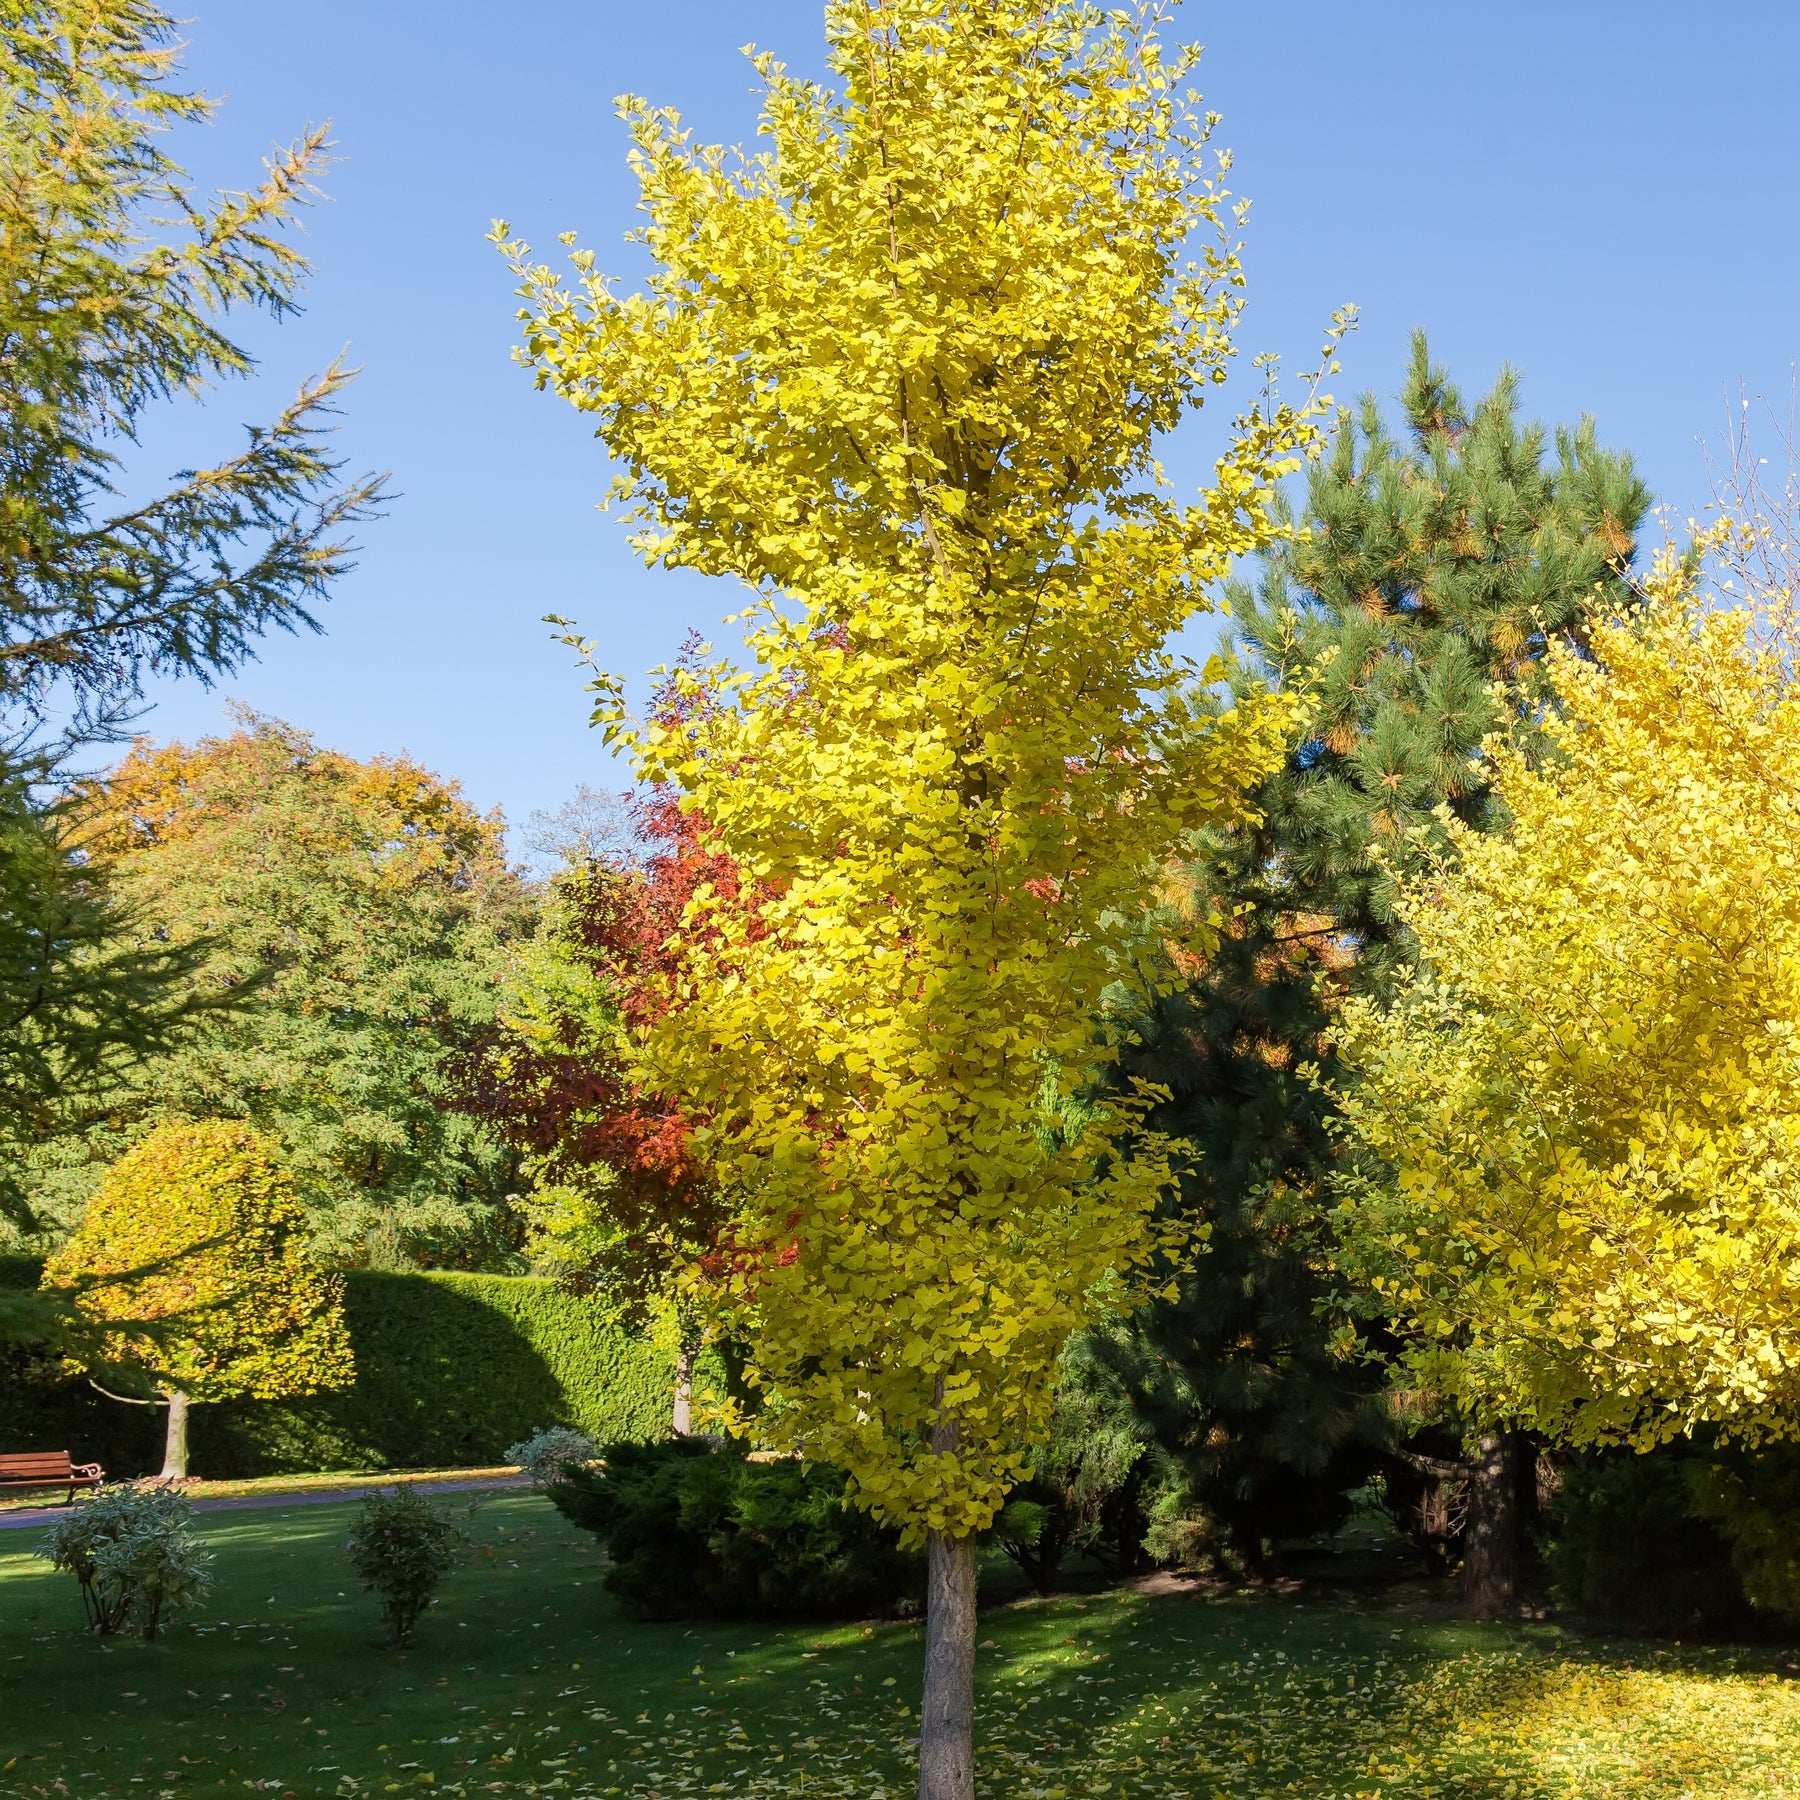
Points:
[192,1255]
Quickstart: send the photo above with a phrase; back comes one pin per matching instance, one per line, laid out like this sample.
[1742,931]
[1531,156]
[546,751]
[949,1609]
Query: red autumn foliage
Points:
[575,1106]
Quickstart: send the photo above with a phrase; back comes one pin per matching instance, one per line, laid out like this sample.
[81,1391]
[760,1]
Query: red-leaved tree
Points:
[624,1199]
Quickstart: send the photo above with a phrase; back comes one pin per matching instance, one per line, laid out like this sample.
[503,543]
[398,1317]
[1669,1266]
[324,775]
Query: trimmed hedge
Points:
[450,1370]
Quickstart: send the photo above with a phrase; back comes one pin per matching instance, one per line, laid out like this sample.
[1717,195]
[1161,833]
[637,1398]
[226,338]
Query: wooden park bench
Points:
[48,1468]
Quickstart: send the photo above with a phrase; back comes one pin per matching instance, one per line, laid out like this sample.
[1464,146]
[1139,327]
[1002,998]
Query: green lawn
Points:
[526,1680]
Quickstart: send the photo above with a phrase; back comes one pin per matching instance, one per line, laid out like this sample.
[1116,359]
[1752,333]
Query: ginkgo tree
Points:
[1577,1134]
[902,373]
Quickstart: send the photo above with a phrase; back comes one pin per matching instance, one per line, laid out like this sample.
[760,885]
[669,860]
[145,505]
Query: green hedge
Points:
[450,1370]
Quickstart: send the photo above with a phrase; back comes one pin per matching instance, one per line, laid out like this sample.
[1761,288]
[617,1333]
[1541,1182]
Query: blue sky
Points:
[1603,194]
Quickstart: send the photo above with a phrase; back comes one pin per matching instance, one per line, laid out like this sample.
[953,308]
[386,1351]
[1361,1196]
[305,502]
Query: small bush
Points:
[1079,1473]
[133,1550]
[1626,1548]
[1753,1499]
[1181,1534]
[403,1548]
[548,1455]
[694,1528]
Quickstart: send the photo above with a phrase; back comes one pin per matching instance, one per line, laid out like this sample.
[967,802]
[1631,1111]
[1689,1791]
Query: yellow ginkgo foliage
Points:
[902,374]
[1579,1175]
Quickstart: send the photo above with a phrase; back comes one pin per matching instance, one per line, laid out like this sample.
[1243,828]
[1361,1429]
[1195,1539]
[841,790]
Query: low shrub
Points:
[1181,1534]
[696,1529]
[1626,1548]
[403,1548]
[1752,1498]
[548,1455]
[133,1550]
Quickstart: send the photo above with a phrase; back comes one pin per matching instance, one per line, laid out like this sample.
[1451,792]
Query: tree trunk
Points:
[681,1414]
[175,1445]
[1491,1535]
[947,1716]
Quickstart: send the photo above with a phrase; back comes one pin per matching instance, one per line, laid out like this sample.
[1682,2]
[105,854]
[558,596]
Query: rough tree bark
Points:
[175,1444]
[947,1710]
[1491,1533]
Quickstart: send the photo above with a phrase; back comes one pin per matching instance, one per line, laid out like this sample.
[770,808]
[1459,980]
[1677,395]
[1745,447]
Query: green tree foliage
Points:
[1428,565]
[362,911]
[115,281]
[192,1260]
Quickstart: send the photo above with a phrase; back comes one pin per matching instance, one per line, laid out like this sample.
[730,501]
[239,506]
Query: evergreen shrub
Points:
[1753,1499]
[450,1371]
[1090,1465]
[695,1529]
[548,1455]
[1627,1550]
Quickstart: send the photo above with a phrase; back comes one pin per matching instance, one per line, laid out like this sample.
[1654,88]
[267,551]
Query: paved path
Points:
[48,1515]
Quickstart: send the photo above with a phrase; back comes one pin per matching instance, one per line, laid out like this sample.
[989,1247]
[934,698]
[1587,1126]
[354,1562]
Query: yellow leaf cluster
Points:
[1585,1117]
[192,1258]
[901,373]
[412,826]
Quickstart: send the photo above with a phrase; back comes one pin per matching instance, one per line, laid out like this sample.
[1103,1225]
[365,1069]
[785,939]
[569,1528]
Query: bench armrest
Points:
[92,1471]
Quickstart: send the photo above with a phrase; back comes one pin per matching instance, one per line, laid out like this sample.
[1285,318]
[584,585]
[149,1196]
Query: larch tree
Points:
[1578,1131]
[903,375]
[1434,561]
[116,284]
[191,1270]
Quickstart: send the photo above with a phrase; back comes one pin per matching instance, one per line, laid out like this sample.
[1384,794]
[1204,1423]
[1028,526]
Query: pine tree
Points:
[1429,565]
[88,992]
[103,312]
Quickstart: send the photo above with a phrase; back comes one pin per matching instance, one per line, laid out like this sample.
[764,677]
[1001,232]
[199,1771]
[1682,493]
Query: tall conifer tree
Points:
[117,281]
[1430,564]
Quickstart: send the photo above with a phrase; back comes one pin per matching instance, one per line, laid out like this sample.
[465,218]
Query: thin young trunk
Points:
[947,1716]
[681,1415]
[175,1444]
[947,1710]
[1491,1535]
